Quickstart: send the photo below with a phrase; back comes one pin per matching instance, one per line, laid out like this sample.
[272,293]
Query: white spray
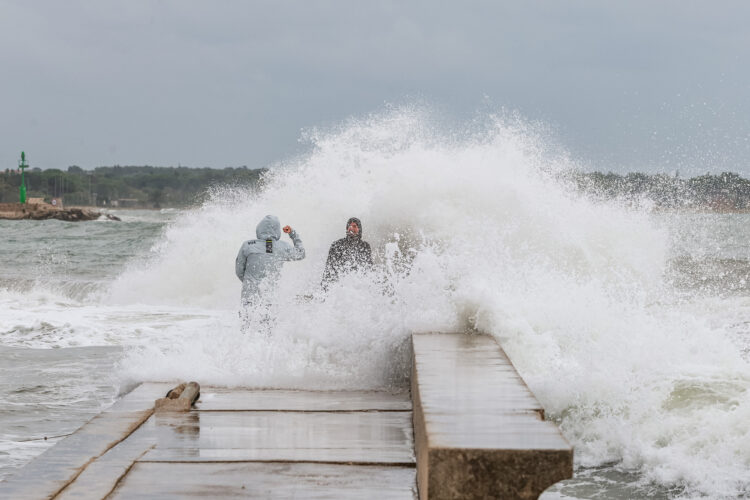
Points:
[471,232]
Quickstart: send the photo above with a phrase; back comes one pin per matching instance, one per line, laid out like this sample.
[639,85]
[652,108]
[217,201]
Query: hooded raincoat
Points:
[346,255]
[260,260]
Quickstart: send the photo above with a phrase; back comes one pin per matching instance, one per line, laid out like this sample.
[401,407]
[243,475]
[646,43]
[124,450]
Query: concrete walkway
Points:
[237,443]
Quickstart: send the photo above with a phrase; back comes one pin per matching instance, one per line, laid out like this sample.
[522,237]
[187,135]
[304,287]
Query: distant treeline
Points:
[154,187]
[135,187]
[722,192]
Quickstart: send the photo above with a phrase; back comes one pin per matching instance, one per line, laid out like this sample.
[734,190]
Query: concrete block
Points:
[479,432]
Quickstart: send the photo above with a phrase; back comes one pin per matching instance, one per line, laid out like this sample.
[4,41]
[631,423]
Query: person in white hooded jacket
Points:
[261,259]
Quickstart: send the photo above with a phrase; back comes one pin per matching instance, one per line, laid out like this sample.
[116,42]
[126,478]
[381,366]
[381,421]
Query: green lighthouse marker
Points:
[22,165]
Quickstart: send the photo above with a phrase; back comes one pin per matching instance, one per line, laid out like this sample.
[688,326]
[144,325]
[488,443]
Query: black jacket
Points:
[346,255]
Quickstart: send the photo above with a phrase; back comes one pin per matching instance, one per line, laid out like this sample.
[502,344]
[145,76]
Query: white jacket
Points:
[261,259]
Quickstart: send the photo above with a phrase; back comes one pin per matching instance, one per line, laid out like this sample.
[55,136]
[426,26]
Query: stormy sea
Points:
[630,325]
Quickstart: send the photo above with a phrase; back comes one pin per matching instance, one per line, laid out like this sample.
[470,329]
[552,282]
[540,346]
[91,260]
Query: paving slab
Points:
[101,476]
[221,399]
[479,431]
[361,437]
[275,443]
[266,480]
[471,373]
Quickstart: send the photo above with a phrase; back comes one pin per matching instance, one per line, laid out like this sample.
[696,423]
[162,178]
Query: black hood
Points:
[359,223]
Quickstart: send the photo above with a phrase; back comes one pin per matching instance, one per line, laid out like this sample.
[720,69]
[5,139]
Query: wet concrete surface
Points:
[220,399]
[102,475]
[235,443]
[363,437]
[266,480]
[476,429]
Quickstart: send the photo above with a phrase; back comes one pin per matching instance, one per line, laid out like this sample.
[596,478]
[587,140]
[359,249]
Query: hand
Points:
[287,229]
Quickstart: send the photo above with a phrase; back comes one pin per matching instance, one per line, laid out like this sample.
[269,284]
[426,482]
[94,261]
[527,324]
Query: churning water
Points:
[631,327]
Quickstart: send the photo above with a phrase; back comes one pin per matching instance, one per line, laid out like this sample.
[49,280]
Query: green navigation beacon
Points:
[21,166]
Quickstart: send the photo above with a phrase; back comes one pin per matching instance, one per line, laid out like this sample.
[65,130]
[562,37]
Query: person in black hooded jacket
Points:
[347,254]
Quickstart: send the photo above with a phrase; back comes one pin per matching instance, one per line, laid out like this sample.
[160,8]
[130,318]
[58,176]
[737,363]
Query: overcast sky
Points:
[652,85]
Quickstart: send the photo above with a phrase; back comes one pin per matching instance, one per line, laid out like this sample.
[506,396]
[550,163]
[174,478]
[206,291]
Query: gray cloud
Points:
[636,85]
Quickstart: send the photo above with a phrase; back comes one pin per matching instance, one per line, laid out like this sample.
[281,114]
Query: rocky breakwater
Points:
[38,211]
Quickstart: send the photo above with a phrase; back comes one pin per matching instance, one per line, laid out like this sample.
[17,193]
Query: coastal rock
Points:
[18,211]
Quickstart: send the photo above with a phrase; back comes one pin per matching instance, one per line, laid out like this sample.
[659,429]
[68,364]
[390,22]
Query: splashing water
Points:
[470,232]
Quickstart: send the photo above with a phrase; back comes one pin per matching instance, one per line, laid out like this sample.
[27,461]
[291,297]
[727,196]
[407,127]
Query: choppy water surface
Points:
[632,328]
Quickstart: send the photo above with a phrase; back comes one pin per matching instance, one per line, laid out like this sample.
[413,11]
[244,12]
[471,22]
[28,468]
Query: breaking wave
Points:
[472,232]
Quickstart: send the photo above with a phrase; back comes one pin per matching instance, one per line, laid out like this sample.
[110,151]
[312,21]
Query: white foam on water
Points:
[471,232]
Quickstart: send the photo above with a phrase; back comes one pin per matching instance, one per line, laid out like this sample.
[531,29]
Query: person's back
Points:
[260,260]
[347,254]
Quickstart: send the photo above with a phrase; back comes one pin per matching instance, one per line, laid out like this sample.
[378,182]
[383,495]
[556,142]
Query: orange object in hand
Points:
[287,229]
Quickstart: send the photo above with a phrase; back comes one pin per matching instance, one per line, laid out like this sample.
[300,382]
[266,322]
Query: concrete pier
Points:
[476,429]
[234,443]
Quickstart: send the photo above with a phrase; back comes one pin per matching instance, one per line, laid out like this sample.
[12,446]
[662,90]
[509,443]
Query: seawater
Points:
[631,326]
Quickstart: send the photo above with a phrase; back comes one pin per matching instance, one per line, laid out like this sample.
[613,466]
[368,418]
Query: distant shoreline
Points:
[43,211]
[119,187]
